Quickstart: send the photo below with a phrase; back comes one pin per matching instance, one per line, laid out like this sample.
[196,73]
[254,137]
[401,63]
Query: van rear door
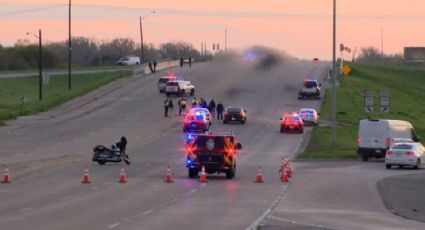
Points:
[372,134]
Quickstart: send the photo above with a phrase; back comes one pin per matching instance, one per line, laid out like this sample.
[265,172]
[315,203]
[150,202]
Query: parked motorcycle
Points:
[103,154]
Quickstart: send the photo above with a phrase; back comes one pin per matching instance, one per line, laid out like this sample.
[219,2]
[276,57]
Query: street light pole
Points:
[141,40]
[40,67]
[69,46]
[334,78]
[141,35]
[225,39]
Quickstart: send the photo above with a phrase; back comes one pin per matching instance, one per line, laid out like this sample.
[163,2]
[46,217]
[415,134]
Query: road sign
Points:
[368,98]
[346,69]
[385,101]
[368,109]
[385,109]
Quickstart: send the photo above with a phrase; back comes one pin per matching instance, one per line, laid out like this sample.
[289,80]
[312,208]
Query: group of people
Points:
[195,103]
[152,66]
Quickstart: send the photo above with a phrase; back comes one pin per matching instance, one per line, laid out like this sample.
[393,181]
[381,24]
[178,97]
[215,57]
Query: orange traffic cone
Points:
[122,178]
[86,176]
[6,178]
[168,177]
[203,176]
[259,178]
[284,176]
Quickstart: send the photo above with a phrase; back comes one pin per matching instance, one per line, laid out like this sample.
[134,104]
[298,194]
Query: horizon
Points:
[295,25]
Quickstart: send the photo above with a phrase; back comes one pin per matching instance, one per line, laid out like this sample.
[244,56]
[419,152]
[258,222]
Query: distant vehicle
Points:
[309,116]
[375,137]
[405,154]
[216,151]
[129,60]
[234,114]
[315,59]
[205,111]
[162,82]
[310,89]
[291,123]
[179,88]
[196,122]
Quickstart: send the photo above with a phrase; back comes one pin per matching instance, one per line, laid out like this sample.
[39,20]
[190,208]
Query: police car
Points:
[291,122]
[309,116]
[309,89]
[196,122]
[215,151]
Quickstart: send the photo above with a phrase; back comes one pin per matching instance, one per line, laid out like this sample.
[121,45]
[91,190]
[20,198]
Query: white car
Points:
[179,88]
[405,154]
[309,116]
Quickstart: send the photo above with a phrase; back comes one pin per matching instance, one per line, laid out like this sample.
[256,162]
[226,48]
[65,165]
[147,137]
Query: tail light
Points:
[388,153]
[409,154]
[388,141]
[358,140]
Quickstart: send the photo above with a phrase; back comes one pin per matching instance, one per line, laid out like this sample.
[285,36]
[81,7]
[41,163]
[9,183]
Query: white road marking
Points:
[203,185]
[147,212]
[108,182]
[68,197]
[301,223]
[95,188]
[25,209]
[113,225]
[191,192]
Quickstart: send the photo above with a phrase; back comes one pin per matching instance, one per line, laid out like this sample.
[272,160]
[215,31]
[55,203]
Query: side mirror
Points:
[281,118]
[239,146]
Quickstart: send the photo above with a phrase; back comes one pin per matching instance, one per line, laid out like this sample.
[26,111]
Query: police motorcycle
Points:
[116,153]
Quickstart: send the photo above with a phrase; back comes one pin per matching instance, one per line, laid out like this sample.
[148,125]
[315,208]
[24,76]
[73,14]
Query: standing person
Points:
[181,62]
[166,104]
[203,103]
[154,65]
[220,109]
[194,102]
[171,107]
[211,107]
[150,67]
[182,105]
[190,61]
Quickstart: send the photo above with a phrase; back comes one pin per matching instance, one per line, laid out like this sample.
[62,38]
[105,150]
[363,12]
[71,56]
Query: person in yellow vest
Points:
[182,105]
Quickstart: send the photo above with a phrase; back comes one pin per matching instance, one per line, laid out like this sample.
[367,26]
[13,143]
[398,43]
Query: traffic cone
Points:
[259,178]
[6,178]
[284,176]
[86,176]
[203,177]
[168,177]
[122,178]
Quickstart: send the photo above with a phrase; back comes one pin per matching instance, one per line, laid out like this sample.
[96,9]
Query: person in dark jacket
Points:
[211,107]
[166,104]
[220,109]
[122,144]
[150,67]
[154,65]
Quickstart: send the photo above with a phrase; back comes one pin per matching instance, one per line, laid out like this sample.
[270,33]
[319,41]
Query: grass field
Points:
[55,93]
[407,90]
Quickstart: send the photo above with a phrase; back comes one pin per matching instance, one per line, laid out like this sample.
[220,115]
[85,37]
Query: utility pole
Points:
[225,39]
[382,42]
[69,46]
[334,78]
[141,40]
[40,67]
[202,48]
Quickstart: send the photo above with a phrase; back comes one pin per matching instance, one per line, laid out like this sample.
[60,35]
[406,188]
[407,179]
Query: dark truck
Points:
[215,151]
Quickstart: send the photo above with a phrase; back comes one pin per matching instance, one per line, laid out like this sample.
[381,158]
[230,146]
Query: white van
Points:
[376,136]
[129,60]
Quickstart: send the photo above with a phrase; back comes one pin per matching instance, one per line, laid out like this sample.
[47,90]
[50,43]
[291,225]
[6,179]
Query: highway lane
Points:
[50,195]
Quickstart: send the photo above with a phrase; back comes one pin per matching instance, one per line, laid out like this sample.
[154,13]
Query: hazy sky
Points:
[303,28]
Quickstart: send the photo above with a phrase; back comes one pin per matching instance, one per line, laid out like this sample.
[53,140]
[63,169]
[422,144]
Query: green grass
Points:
[407,90]
[56,93]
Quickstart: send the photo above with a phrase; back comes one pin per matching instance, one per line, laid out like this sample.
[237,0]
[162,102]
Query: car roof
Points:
[234,107]
[307,109]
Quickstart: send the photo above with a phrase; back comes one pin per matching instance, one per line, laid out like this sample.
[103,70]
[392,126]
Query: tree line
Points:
[90,52]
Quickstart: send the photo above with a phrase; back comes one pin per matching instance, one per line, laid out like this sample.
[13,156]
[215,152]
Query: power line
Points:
[17,12]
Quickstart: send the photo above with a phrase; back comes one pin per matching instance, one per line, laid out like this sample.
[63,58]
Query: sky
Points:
[302,28]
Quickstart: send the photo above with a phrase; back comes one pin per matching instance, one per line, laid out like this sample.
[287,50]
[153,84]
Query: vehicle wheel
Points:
[101,162]
[192,92]
[388,166]
[224,121]
[167,94]
[192,172]
[281,129]
[364,157]
[418,164]
[301,130]
[230,173]
[182,92]
[243,121]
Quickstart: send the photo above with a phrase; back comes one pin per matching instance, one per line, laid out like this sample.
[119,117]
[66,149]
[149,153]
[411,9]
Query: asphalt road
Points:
[46,155]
